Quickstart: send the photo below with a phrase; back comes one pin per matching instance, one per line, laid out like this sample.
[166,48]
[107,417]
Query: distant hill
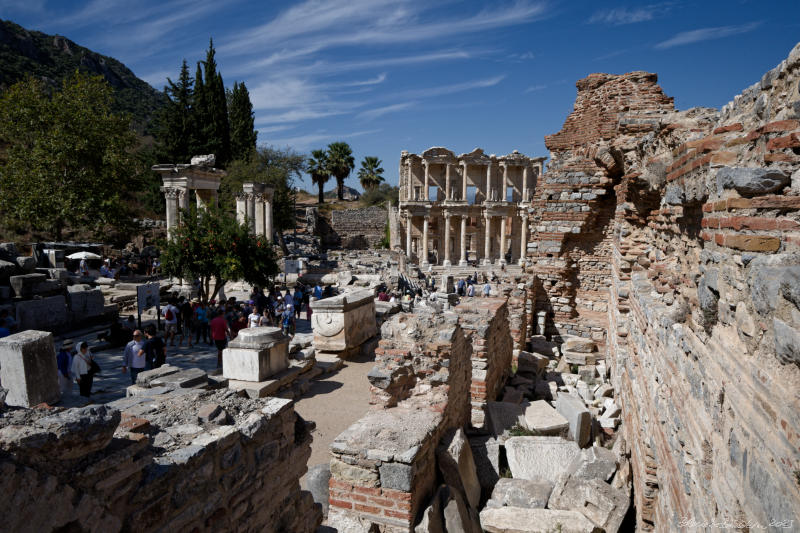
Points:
[53,57]
[349,193]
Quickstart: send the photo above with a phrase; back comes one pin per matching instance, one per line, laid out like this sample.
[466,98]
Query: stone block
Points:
[787,342]
[520,520]
[502,416]
[579,344]
[256,354]
[536,458]
[24,284]
[595,462]
[396,476]
[454,458]
[580,419]
[598,501]
[85,302]
[750,181]
[486,455]
[185,379]
[542,419]
[26,263]
[145,378]
[579,358]
[523,493]
[28,368]
[46,313]
[317,482]
[343,322]
[7,269]
[531,363]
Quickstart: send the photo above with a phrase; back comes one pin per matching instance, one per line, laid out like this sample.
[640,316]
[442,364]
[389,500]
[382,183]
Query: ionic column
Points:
[427,178]
[489,181]
[251,212]
[504,194]
[525,183]
[447,240]
[502,259]
[259,207]
[464,183]
[463,261]
[408,235]
[425,241]
[487,244]
[523,246]
[447,182]
[268,231]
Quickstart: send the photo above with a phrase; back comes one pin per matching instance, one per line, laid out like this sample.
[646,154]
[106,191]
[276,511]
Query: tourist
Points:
[393,299]
[81,368]
[153,348]
[382,296]
[307,302]
[187,318]
[201,322]
[64,362]
[254,319]
[460,286]
[287,321]
[156,268]
[84,268]
[105,270]
[220,333]
[297,300]
[239,324]
[134,357]
[470,290]
[170,314]
[317,292]
[487,289]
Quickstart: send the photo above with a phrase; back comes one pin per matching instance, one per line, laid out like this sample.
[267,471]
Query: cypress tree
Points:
[216,132]
[241,119]
[177,121]
[200,113]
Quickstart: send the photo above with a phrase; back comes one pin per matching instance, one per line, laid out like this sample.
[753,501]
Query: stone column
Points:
[425,241]
[502,259]
[408,234]
[525,183]
[268,231]
[464,183]
[251,212]
[504,194]
[259,208]
[447,182]
[241,208]
[171,197]
[427,166]
[183,199]
[487,245]
[463,261]
[523,245]
[447,240]
[489,182]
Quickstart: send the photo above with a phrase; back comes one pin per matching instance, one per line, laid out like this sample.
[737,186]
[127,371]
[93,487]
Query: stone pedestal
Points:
[28,368]
[343,323]
[256,354]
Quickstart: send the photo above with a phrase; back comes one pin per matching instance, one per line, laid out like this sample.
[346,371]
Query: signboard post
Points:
[148,295]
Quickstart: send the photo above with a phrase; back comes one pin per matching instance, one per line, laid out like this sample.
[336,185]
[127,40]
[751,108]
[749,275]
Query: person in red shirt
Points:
[219,333]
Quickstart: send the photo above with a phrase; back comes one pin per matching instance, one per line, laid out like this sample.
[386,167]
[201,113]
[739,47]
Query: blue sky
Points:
[392,75]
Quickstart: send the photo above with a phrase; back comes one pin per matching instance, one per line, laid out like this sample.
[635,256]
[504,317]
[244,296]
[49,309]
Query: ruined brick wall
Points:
[156,466]
[360,229]
[486,323]
[691,234]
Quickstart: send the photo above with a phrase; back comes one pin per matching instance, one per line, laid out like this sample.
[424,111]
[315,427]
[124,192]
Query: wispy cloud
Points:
[304,142]
[706,34]
[430,92]
[534,88]
[623,15]
[524,56]
[372,114]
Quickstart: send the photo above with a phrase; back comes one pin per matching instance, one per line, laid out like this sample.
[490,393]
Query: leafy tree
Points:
[240,117]
[67,159]
[380,195]
[370,174]
[177,124]
[340,164]
[213,110]
[319,171]
[277,168]
[210,245]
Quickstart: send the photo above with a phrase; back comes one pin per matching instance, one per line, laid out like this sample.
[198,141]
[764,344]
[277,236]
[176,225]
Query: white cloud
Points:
[623,15]
[303,142]
[534,88]
[706,34]
[430,92]
[372,114]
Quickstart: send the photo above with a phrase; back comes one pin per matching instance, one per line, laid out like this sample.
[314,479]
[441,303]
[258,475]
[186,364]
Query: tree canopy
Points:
[371,173]
[210,245]
[319,171]
[67,160]
[242,122]
[340,164]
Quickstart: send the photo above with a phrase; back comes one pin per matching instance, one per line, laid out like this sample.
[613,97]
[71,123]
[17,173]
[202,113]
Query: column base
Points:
[446,263]
[487,262]
[463,263]
[501,262]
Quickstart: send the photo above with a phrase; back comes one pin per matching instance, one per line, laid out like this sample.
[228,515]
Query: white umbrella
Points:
[83,255]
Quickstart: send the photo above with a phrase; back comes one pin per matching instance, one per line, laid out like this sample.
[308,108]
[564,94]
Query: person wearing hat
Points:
[64,361]
[80,368]
[131,357]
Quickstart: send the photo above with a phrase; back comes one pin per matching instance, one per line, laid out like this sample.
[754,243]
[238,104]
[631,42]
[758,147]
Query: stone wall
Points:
[187,460]
[678,234]
[360,229]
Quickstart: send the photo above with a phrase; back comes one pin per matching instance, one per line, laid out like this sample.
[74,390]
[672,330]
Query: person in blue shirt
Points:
[317,292]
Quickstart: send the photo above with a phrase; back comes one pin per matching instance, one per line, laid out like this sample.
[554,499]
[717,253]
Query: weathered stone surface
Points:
[519,520]
[191,377]
[502,416]
[25,284]
[454,458]
[542,419]
[595,462]
[579,344]
[580,419]
[145,378]
[256,354]
[317,482]
[750,181]
[787,342]
[604,505]
[486,454]
[28,368]
[536,458]
[343,322]
[524,493]
[48,313]
[396,476]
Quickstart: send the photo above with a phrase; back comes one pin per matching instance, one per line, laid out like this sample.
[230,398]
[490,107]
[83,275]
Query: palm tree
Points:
[320,174]
[370,174]
[340,164]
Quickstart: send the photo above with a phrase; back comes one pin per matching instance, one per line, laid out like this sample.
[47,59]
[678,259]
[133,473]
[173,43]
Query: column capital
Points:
[173,193]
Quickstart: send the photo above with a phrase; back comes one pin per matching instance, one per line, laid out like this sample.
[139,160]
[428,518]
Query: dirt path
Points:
[334,402]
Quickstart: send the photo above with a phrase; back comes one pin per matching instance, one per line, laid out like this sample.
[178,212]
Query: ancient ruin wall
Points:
[360,229]
[700,253]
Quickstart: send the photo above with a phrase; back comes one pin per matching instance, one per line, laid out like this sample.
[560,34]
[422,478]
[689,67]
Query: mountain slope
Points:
[53,57]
